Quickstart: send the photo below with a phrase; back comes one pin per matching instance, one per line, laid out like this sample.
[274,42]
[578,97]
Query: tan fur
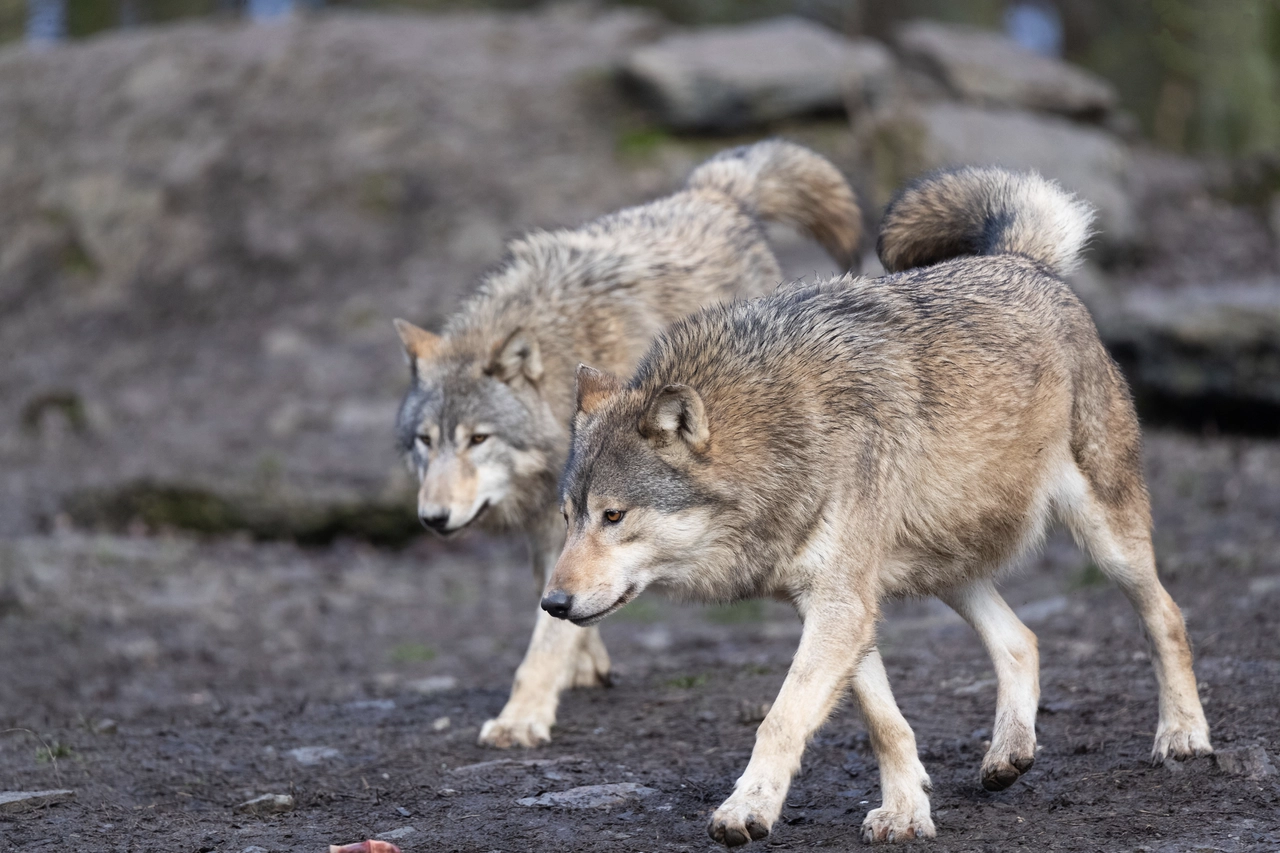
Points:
[503,367]
[839,443]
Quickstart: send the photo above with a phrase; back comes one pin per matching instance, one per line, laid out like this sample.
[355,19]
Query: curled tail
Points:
[984,211]
[783,182]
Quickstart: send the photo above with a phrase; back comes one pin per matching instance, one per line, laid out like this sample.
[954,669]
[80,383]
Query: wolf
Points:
[851,440]
[485,421]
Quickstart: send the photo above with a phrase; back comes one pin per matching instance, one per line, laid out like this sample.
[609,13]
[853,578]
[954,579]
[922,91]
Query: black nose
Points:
[434,522]
[558,603]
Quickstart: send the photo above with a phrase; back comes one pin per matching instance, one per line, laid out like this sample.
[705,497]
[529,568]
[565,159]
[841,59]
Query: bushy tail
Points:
[783,182]
[984,211]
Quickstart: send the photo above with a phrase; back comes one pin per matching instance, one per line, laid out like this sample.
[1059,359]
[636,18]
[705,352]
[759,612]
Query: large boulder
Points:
[910,139]
[206,229]
[984,67]
[1212,341]
[730,78]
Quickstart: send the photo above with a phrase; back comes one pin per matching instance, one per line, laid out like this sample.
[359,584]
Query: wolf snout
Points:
[558,603]
[434,520]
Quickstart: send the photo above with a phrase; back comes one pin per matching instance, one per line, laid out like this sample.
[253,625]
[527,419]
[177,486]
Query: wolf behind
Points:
[839,443]
[485,421]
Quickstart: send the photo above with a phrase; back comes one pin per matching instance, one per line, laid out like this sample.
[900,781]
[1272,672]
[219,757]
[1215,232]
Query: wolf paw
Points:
[882,824]
[1186,742]
[504,734]
[1001,769]
[735,825]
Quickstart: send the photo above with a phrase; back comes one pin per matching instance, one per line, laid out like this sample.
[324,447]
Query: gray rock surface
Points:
[985,67]
[590,796]
[728,78]
[904,142]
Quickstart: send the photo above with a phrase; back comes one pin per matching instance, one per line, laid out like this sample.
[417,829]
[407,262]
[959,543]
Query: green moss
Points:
[640,143]
[686,682]
[1088,575]
[67,403]
[412,653]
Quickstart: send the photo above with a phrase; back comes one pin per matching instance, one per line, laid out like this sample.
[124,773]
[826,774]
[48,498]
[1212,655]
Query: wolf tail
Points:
[984,211]
[784,182]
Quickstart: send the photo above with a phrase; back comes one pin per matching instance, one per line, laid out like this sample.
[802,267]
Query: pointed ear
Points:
[418,343]
[593,387]
[677,413]
[518,355]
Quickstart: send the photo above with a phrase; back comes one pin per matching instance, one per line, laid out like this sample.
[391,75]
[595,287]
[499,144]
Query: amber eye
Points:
[478,438]
[613,516]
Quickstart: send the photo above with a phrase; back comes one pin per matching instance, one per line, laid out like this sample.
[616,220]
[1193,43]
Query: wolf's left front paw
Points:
[734,824]
[884,824]
[505,734]
[1190,741]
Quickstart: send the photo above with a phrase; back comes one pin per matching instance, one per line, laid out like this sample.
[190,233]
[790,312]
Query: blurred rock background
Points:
[209,211]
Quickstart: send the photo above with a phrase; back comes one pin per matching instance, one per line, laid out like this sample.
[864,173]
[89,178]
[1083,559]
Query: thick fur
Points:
[838,443]
[984,211]
[485,422]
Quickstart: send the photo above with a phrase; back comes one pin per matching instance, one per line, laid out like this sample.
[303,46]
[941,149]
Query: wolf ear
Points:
[418,343]
[518,355]
[675,414]
[593,386]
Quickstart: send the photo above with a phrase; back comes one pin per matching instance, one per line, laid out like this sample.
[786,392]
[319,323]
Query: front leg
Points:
[836,636]
[560,655]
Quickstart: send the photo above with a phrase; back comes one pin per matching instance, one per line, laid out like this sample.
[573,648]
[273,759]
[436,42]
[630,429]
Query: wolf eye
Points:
[613,516]
[478,438]
[425,439]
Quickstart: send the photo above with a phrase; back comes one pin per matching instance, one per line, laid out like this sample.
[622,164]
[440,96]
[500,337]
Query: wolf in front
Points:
[839,443]
[485,422]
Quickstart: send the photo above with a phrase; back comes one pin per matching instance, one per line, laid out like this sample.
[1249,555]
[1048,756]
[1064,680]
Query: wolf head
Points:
[635,510]
[470,428]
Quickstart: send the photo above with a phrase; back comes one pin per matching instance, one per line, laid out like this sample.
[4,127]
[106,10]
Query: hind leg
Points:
[1117,534]
[1012,647]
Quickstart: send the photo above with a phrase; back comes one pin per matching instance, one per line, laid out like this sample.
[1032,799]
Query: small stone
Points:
[432,684]
[397,834]
[439,724]
[106,727]
[255,849]
[372,705]
[12,802]
[590,796]
[267,804]
[310,756]
[1251,762]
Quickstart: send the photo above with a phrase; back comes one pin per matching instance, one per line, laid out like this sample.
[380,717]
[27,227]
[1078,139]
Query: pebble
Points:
[1251,762]
[440,724]
[12,802]
[267,804]
[309,756]
[397,834]
[432,684]
[590,796]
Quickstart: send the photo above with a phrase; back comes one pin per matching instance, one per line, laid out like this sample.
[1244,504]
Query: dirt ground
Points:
[166,680]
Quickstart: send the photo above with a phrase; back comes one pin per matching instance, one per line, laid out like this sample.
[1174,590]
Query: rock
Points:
[1251,762]
[1038,611]
[440,724]
[729,78]
[590,796]
[267,804]
[507,763]
[106,727]
[397,834]
[1220,339]
[171,196]
[310,756]
[255,849]
[985,67]
[909,140]
[432,684]
[12,802]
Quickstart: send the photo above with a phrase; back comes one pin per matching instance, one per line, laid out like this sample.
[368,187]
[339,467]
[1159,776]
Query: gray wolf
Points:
[838,443]
[485,422]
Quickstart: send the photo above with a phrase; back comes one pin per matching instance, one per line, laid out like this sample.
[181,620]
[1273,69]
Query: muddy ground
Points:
[166,679]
